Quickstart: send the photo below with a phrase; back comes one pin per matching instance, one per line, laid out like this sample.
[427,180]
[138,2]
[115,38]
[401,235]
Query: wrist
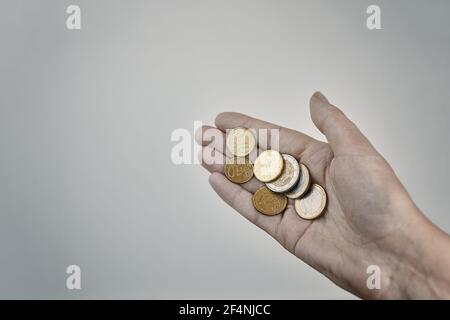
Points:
[422,260]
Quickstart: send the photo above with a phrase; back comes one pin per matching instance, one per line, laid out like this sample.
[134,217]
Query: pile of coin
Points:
[284,177]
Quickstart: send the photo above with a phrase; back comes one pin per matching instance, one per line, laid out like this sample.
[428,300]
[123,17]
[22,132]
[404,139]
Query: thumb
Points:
[342,134]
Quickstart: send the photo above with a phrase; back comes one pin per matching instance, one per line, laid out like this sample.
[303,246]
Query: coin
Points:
[240,142]
[268,166]
[288,178]
[312,205]
[302,185]
[269,203]
[238,170]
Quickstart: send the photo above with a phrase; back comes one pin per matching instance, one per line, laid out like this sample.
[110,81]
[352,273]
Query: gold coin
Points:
[240,142]
[238,170]
[302,185]
[289,176]
[268,166]
[313,204]
[269,203]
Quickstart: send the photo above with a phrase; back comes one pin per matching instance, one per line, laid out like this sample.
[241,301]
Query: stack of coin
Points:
[283,175]
[240,143]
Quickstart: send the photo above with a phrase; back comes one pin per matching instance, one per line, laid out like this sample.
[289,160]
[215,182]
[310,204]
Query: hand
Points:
[370,218]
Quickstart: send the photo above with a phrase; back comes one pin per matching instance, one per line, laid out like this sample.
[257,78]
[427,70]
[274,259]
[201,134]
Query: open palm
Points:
[365,220]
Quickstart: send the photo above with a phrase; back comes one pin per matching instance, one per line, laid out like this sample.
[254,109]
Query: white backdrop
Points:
[86,118]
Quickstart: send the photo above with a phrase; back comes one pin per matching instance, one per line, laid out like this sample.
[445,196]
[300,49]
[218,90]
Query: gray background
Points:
[86,118]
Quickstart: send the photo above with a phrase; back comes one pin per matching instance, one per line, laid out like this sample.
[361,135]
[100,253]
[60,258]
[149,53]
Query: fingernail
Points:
[321,97]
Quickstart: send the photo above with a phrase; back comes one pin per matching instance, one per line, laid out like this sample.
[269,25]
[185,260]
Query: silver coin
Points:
[313,204]
[302,185]
[288,178]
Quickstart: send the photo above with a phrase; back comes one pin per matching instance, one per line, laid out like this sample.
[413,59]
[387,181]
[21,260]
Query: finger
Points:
[213,137]
[208,135]
[287,228]
[212,159]
[290,141]
[342,134]
[218,167]
[253,185]
[241,200]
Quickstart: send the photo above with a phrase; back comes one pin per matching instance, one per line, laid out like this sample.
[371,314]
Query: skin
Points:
[370,218]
